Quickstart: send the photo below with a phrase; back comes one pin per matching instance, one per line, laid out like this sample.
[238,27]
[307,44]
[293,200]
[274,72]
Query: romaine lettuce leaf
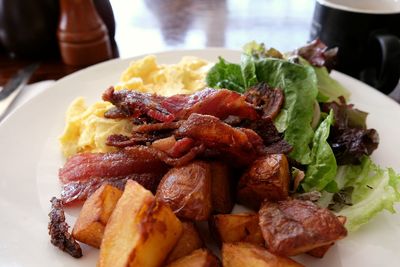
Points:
[321,171]
[374,189]
[226,75]
[329,87]
[299,84]
[248,68]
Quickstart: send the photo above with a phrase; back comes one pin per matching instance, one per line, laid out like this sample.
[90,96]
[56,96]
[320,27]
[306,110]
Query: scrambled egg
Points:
[86,128]
[147,76]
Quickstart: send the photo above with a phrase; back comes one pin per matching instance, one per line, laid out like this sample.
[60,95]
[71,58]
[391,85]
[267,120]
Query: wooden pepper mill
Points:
[82,35]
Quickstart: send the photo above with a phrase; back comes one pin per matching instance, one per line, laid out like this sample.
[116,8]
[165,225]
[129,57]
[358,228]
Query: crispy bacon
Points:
[269,100]
[137,159]
[58,230]
[78,191]
[219,103]
[242,144]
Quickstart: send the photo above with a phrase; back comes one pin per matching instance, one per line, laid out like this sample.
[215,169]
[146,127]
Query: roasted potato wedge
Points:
[267,178]
[291,227]
[222,200]
[198,258]
[187,190]
[246,254]
[241,227]
[140,232]
[189,241]
[320,252]
[94,215]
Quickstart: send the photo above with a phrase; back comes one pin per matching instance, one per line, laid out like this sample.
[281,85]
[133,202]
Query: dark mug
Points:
[367,33]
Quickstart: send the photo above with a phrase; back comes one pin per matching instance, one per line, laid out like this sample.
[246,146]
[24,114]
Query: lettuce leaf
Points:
[328,87]
[248,68]
[373,189]
[299,84]
[226,75]
[321,171]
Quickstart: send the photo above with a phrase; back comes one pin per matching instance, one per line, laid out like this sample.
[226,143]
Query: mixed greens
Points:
[331,142]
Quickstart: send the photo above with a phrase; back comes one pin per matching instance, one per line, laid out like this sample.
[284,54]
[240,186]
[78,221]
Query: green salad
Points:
[331,144]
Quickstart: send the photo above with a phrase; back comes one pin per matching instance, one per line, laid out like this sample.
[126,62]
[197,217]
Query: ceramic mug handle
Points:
[385,73]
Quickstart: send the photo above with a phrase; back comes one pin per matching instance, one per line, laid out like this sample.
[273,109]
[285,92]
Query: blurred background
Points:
[147,26]
[153,25]
[28,29]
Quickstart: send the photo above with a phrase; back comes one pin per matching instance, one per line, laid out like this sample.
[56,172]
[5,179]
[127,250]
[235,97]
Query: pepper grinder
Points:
[82,35]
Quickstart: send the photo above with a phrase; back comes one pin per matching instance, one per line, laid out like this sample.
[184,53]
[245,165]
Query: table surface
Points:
[148,26]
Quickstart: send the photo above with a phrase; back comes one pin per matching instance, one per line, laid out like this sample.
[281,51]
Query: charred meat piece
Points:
[157,127]
[268,100]
[122,141]
[187,190]
[58,230]
[144,134]
[219,103]
[131,103]
[291,227]
[242,145]
[267,178]
[79,191]
[265,128]
[180,161]
[137,159]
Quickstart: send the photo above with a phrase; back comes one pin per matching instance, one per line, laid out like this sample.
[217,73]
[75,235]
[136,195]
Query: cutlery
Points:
[14,87]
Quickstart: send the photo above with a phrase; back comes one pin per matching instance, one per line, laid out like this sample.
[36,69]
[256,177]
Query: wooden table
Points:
[148,26]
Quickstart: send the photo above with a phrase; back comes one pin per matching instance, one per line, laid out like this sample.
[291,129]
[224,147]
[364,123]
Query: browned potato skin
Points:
[140,232]
[187,190]
[94,215]
[321,251]
[245,254]
[198,258]
[267,178]
[188,242]
[295,226]
[222,201]
[241,227]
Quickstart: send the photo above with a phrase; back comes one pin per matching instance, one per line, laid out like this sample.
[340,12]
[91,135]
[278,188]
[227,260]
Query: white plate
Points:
[30,159]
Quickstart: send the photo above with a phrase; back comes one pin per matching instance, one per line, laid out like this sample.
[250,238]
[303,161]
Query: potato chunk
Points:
[237,227]
[295,226]
[189,241]
[187,190]
[267,178]
[246,254]
[222,201]
[198,258]
[94,215]
[140,232]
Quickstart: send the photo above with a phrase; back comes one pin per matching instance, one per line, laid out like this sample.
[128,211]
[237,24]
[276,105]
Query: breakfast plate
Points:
[31,157]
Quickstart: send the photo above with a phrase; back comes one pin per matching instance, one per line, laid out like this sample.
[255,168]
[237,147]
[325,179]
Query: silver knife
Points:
[13,88]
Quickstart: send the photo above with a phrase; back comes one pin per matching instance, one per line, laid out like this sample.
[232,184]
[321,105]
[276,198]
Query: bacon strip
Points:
[137,159]
[78,191]
[241,144]
[219,103]
[269,100]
